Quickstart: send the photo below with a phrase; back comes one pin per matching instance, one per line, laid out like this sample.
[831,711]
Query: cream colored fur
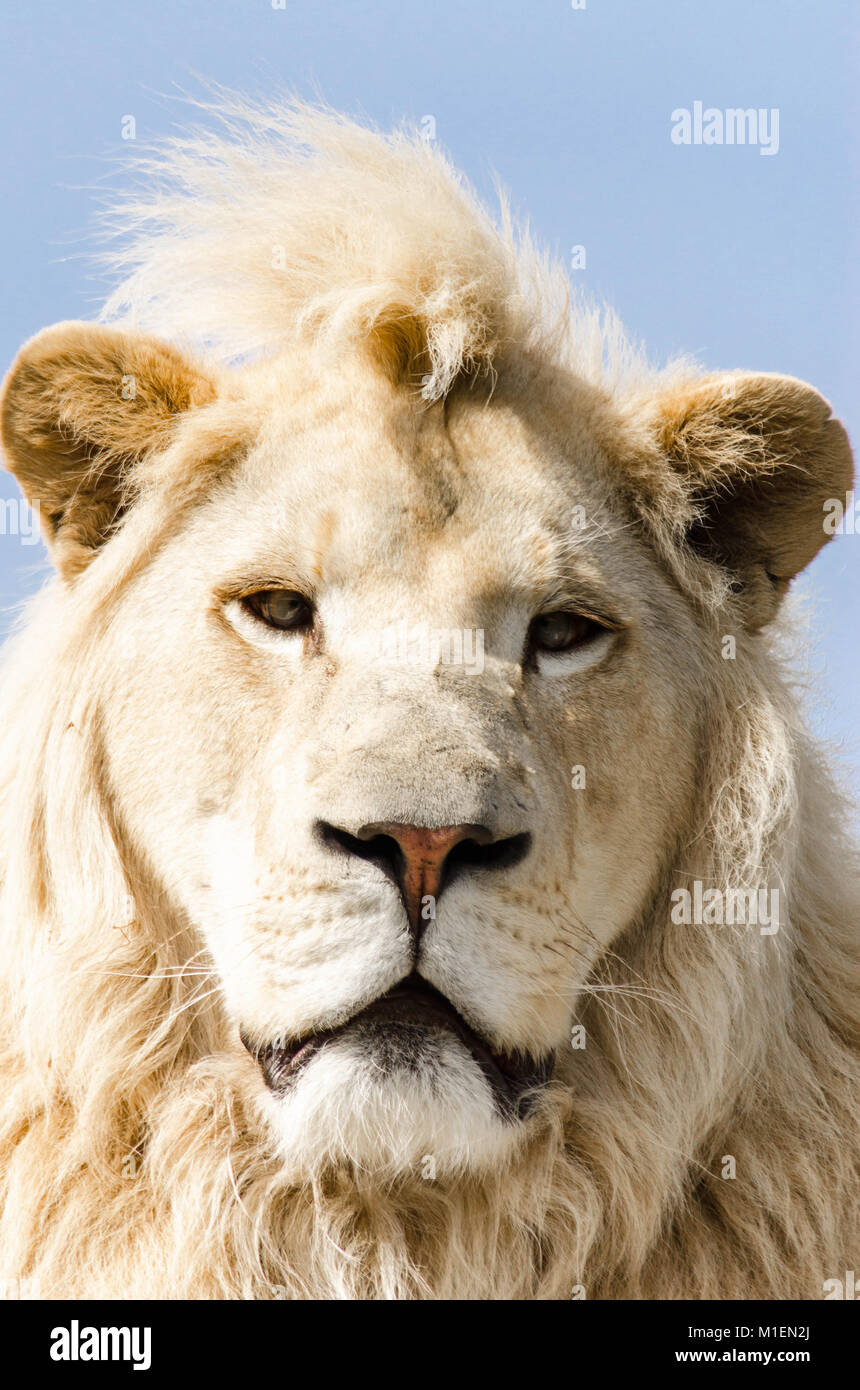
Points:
[372,391]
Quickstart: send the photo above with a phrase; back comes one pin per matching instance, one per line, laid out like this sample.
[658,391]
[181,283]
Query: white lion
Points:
[411,651]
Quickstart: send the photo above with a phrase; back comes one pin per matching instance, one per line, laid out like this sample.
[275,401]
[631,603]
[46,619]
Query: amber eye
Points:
[561,632]
[281,608]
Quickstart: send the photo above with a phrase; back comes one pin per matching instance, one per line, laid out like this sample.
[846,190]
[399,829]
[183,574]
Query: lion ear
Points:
[761,455]
[81,408]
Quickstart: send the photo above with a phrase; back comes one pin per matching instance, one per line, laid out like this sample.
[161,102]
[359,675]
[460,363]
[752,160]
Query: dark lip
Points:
[514,1077]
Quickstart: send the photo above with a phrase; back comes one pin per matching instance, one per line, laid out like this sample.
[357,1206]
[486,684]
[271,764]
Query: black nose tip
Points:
[422,860]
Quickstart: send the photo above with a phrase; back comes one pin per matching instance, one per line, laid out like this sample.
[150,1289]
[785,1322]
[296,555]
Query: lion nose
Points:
[416,857]
[421,859]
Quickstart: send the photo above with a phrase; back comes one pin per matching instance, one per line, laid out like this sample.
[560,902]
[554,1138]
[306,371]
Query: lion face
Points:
[406,702]
[381,703]
[411,665]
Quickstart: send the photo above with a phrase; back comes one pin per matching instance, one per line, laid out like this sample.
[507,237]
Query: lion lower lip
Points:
[410,1007]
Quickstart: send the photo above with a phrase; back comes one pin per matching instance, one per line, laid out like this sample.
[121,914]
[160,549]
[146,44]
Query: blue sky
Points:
[743,259]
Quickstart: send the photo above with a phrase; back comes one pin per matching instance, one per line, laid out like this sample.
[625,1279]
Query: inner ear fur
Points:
[760,454]
[81,407]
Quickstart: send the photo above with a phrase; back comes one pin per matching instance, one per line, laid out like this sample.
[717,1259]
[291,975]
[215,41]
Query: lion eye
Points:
[561,632]
[281,608]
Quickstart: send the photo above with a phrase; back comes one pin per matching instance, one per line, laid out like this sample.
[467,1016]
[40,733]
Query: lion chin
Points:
[405,1087]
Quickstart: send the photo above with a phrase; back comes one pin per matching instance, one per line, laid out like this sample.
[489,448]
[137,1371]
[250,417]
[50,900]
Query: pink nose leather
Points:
[424,854]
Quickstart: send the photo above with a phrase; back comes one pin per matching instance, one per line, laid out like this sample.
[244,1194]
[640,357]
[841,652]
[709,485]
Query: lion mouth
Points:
[400,1028]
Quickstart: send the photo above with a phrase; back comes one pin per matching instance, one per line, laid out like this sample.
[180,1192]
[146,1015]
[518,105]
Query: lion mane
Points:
[131,1160]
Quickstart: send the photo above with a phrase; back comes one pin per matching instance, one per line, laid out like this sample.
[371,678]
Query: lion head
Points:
[389,689]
